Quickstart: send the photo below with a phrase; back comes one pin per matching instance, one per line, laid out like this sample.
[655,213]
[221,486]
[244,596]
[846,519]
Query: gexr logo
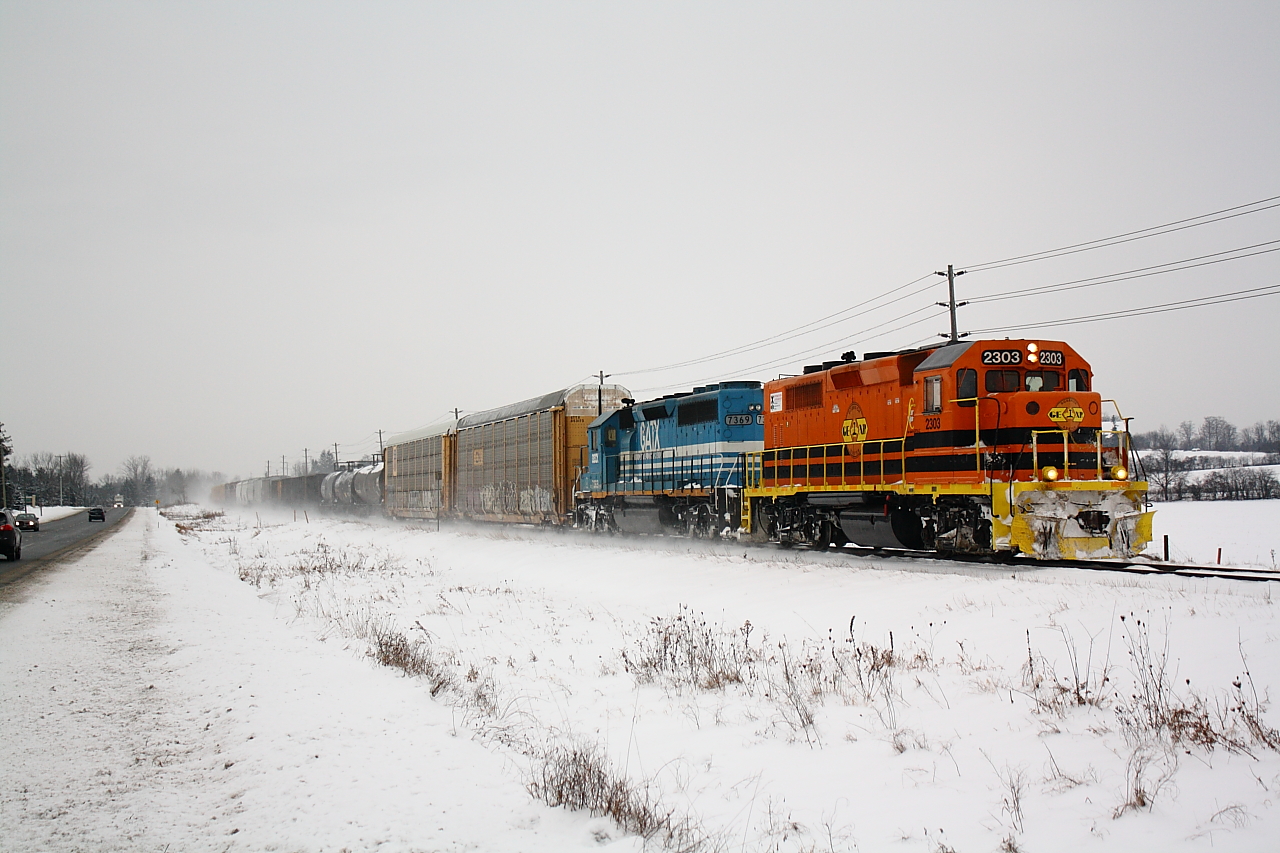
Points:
[854,428]
[1068,413]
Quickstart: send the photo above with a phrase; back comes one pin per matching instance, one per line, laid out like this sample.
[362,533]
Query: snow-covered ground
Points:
[1228,457]
[1248,532]
[239,683]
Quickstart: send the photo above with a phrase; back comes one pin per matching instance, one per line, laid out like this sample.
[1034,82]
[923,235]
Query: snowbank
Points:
[53,513]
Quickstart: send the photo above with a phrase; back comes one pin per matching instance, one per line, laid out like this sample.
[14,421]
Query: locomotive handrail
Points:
[1121,446]
[977,427]
[883,447]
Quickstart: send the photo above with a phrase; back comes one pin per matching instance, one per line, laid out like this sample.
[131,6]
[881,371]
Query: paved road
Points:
[56,538]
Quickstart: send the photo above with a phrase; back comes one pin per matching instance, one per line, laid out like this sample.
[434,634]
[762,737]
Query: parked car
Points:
[10,536]
[97,513]
[28,521]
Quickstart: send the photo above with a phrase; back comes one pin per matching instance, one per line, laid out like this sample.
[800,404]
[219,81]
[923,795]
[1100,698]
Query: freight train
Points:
[990,447]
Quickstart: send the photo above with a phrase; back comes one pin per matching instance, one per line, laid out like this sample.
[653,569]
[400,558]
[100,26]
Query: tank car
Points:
[979,447]
[366,486]
[353,489]
[673,464]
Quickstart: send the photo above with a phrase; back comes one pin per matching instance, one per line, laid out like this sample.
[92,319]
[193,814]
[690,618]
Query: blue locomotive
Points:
[673,464]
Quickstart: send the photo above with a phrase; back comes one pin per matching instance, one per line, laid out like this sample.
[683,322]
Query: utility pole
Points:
[268,467]
[600,393]
[951,299]
[335,456]
[59,458]
[306,466]
[284,470]
[457,413]
[381,449]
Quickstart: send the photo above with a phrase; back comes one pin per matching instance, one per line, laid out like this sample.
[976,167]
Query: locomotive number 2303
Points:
[1001,356]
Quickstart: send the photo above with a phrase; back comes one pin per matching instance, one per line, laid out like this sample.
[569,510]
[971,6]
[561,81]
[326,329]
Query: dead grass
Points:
[580,776]
[1156,711]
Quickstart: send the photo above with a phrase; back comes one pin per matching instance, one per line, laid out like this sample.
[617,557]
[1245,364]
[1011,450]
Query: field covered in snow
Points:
[336,684]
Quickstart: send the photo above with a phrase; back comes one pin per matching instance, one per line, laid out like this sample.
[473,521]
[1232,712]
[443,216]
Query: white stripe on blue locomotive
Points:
[685,441]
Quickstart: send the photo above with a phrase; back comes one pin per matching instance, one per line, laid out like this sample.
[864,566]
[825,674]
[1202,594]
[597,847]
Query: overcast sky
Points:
[231,231]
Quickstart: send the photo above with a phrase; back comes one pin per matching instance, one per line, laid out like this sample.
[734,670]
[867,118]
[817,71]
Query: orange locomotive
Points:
[978,447]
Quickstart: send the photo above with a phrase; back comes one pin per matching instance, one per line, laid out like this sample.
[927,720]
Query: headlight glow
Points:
[1119,472]
[1048,473]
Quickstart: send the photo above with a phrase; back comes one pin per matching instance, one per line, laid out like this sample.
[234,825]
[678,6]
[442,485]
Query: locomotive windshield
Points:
[1000,381]
[1043,380]
[1005,381]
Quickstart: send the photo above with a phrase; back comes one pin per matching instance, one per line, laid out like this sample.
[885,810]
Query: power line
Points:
[1130,236]
[789,334]
[1127,275]
[788,359]
[1181,305]
[847,314]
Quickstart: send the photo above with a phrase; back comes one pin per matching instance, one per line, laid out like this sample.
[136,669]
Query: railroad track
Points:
[1140,567]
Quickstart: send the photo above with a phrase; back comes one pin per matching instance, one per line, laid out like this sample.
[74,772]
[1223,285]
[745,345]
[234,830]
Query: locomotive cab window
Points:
[1043,380]
[610,437]
[1078,380]
[932,394]
[967,386]
[1000,381]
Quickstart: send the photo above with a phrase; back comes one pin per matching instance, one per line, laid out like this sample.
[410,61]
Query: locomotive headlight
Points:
[1119,472]
[1048,473]
[1032,357]
[1032,348]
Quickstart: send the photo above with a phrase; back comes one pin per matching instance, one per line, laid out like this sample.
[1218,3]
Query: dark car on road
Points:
[10,536]
[28,521]
[97,513]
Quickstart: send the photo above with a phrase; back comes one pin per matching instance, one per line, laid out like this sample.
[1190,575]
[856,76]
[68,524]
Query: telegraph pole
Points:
[951,299]
[600,393]
[335,456]
[306,466]
[457,413]
[59,458]
[284,469]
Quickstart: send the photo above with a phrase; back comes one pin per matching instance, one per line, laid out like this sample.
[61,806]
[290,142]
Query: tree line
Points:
[1170,460]
[1214,433]
[52,479]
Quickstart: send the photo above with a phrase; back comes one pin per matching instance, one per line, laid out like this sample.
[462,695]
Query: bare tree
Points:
[139,481]
[1166,474]
[75,479]
[1217,434]
[1186,435]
